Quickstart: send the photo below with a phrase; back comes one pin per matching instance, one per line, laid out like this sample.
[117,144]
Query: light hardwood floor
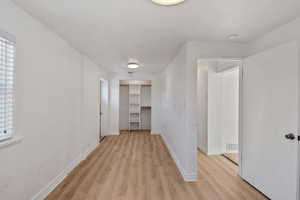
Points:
[139,167]
[234,157]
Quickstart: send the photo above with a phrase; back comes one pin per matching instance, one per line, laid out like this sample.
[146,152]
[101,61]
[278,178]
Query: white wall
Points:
[114,80]
[202,102]
[51,95]
[179,100]
[173,113]
[230,110]
[223,108]
[214,120]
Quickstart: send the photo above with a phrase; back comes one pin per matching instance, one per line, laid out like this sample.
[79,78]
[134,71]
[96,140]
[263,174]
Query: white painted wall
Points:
[114,80]
[214,120]
[202,102]
[229,110]
[173,113]
[56,95]
[214,88]
[179,100]
[223,108]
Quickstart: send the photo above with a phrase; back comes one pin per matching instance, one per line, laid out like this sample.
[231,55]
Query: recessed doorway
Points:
[218,105]
[135,106]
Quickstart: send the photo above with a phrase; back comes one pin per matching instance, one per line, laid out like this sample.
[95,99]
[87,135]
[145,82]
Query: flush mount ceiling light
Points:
[233,36]
[133,64]
[168,2]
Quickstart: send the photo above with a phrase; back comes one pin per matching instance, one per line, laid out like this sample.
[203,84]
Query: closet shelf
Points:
[134,107]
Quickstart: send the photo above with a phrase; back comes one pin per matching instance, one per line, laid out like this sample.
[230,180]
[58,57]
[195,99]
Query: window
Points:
[7,67]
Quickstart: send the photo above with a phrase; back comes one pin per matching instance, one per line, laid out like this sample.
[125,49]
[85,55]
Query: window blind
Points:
[7,67]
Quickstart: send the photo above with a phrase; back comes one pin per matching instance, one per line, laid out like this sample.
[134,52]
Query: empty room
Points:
[149,100]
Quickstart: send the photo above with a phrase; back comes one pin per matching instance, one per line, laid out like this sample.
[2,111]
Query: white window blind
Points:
[7,67]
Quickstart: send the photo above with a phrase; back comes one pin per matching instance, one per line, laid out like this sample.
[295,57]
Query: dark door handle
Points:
[290,136]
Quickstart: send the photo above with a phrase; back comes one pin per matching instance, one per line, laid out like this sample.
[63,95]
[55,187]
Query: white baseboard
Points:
[43,193]
[188,177]
[213,154]
[155,132]
[113,132]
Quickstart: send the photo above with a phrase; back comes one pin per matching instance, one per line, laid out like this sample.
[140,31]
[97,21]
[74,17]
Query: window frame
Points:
[11,136]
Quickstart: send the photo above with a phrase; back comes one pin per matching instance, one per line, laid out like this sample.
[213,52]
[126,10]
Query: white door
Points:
[270,111]
[101,111]
[103,107]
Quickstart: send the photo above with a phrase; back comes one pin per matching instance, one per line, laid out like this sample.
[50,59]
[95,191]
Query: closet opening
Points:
[135,106]
[219,108]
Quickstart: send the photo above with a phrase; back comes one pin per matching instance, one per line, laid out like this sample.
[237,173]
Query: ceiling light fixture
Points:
[133,64]
[233,36]
[168,2]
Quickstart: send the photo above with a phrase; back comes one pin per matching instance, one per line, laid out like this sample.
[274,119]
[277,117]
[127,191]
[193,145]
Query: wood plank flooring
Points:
[234,157]
[139,167]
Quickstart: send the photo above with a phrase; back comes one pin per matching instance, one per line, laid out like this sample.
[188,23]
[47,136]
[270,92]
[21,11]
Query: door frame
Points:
[240,134]
[241,95]
[100,84]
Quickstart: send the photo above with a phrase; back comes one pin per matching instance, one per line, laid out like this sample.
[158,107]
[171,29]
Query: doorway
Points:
[102,104]
[268,146]
[135,106]
[229,112]
[218,107]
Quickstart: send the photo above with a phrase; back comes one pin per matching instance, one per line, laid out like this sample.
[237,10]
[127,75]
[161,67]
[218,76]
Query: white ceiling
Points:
[111,31]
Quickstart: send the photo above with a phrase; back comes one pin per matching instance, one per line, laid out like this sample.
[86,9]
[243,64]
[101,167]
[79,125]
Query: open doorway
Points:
[102,108]
[135,106]
[229,113]
[218,106]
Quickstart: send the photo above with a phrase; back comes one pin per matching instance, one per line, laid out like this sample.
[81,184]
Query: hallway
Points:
[139,167]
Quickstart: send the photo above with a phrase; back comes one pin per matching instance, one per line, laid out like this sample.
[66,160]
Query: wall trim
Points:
[45,191]
[113,132]
[155,132]
[188,177]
